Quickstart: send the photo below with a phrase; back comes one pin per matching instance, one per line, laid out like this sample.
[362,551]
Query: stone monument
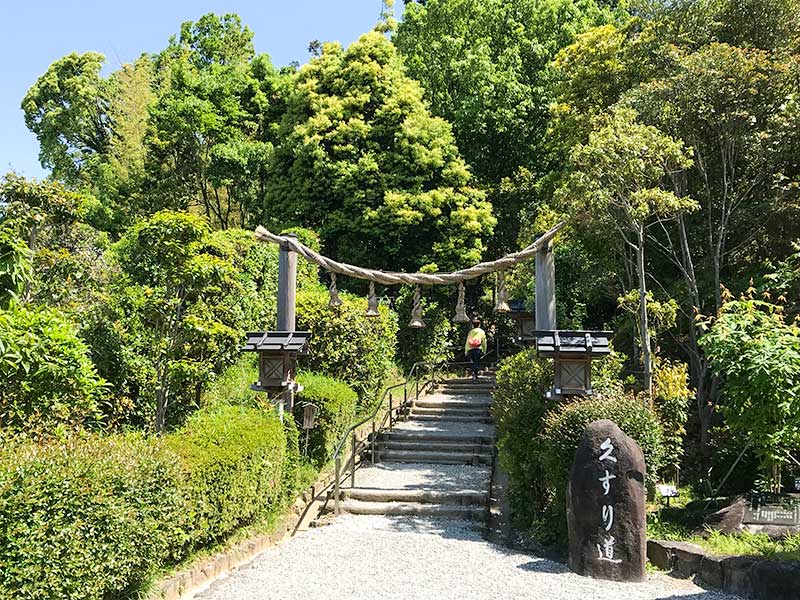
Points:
[606,506]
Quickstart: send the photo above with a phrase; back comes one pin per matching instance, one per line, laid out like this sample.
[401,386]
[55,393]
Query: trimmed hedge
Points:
[87,519]
[346,344]
[233,459]
[97,517]
[337,404]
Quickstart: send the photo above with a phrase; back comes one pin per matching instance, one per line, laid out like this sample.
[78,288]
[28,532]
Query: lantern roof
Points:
[572,343]
[277,341]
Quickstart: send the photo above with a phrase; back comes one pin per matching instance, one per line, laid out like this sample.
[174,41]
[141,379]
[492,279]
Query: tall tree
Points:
[617,181]
[67,109]
[210,139]
[363,162]
[484,67]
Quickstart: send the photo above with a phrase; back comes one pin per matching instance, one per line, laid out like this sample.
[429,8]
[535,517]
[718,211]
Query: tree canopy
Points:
[362,161]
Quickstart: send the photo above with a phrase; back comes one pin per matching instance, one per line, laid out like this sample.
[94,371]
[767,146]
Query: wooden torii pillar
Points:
[545,281]
[287,286]
[287,305]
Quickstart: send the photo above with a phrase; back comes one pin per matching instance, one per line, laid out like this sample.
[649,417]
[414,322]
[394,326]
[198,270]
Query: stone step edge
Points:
[438,436]
[429,445]
[412,509]
[455,412]
[429,403]
[464,497]
[451,418]
[424,458]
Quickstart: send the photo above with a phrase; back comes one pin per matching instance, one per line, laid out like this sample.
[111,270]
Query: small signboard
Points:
[309,414]
[773,514]
[667,491]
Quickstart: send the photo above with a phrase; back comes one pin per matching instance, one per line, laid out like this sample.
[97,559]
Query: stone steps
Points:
[439,446]
[416,509]
[434,464]
[452,417]
[455,497]
[433,456]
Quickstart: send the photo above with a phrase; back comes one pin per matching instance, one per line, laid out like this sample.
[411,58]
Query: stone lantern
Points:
[572,353]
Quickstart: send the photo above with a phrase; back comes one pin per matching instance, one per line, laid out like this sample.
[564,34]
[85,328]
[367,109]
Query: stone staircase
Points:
[437,463]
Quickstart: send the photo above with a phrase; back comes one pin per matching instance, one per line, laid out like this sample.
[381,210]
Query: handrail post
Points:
[390,411]
[405,399]
[336,485]
[353,471]
[372,445]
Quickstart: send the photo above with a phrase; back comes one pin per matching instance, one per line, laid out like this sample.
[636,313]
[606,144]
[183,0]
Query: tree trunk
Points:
[161,401]
[644,326]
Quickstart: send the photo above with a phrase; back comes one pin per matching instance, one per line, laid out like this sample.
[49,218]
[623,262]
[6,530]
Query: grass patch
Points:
[685,516]
[751,544]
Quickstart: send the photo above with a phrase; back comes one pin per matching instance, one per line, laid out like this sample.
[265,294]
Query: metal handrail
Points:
[413,375]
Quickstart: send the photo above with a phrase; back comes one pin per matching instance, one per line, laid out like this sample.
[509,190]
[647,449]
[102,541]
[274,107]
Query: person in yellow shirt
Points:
[475,346]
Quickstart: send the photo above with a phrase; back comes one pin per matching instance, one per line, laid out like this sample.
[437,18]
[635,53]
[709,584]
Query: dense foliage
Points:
[47,380]
[345,344]
[363,162]
[758,354]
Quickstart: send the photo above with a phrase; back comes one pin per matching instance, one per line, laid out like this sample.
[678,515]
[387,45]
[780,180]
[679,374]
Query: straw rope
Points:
[394,278]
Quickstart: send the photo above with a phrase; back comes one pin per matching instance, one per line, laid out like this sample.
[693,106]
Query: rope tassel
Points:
[461,309]
[334,301]
[416,310]
[372,302]
[501,305]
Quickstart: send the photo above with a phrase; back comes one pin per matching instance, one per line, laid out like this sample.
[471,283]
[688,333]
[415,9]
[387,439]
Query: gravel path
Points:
[384,558]
[416,476]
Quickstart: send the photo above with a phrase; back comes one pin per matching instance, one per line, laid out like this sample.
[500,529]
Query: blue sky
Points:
[35,33]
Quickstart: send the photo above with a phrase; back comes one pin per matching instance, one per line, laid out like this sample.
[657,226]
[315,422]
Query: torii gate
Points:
[545,314]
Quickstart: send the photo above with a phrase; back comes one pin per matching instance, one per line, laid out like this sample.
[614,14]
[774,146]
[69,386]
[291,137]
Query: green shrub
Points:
[756,353]
[233,458]
[671,395]
[562,430]
[346,344]
[46,376]
[336,403]
[519,405]
[89,519]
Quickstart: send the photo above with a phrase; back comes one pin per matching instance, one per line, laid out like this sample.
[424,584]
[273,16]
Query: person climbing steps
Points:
[475,346]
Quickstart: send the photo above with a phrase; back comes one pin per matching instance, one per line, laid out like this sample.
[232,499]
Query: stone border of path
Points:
[203,572]
[745,576]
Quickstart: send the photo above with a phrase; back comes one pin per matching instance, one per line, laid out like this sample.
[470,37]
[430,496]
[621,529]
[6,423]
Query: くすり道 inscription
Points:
[606,505]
